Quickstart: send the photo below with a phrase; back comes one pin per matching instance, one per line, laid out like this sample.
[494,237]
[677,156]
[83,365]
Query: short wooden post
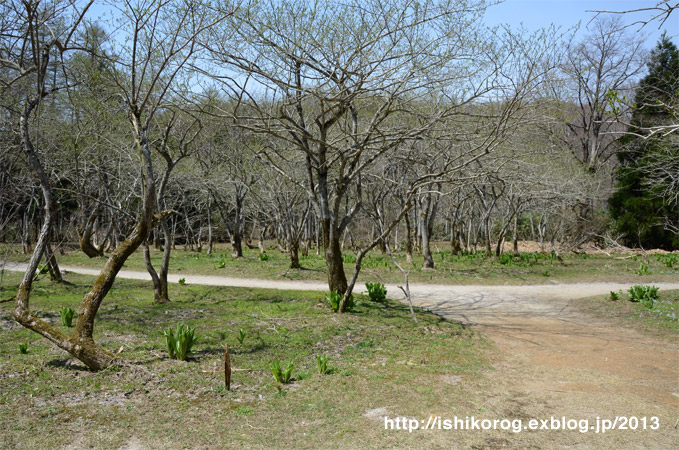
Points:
[227,369]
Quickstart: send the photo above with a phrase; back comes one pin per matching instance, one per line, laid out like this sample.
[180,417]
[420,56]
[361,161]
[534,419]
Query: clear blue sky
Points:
[535,14]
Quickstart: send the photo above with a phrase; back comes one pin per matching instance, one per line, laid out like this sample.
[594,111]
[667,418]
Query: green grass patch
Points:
[659,317]
[379,359]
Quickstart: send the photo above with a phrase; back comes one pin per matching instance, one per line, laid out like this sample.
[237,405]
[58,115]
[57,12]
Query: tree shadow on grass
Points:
[69,364]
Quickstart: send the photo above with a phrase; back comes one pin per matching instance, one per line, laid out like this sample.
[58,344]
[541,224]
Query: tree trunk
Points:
[428,260]
[80,344]
[409,240]
[236,245]
[52,265]
[86,244]
[210,239]
[160,288]
[294,254]
[237,237]
[337,279]
[455,237]
[515,236]
[487,233]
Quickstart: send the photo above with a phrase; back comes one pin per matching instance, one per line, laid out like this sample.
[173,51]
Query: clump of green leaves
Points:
[67,315]
[376,291]
[282,375]
[179,343]
[220,264]
[669,259]
[643,269]
[506,259]
[335,301]
[614,296]
[241,336]
[646,295]
[23,348]
[182,281]
[322,365]
[263,257]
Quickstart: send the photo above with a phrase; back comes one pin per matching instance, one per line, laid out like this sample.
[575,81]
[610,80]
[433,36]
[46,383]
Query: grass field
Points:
[530,268]
[382,363]
[660,320]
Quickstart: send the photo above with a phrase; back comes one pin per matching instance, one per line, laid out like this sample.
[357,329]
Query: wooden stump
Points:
[227,369]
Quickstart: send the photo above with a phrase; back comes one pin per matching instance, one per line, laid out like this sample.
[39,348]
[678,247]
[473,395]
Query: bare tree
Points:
[180,130]
[600,68]
[344,84]
[161,40]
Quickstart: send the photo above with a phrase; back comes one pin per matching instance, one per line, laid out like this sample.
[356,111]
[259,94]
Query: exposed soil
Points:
[554,361]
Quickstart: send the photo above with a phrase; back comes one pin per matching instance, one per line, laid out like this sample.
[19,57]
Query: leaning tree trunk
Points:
[160,288]
[86,244]
[80,343]
[52,265]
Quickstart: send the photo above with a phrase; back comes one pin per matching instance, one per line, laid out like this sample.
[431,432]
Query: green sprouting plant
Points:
[506,259]
[643,269]
[182,281]
[349,259]
[322,365]
[220,264]
[23,348]
[669,259]
[282,375]
[67,315]
[263,257]
[614,296]
[241,336]
[546,273]
[646,295]
[179,343]
[376,291]
[335,300]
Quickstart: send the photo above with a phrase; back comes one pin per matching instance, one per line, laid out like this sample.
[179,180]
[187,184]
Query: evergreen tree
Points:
[645,206]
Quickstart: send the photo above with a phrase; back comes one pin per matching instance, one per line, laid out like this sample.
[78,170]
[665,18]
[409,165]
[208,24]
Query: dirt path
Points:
[554,360]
